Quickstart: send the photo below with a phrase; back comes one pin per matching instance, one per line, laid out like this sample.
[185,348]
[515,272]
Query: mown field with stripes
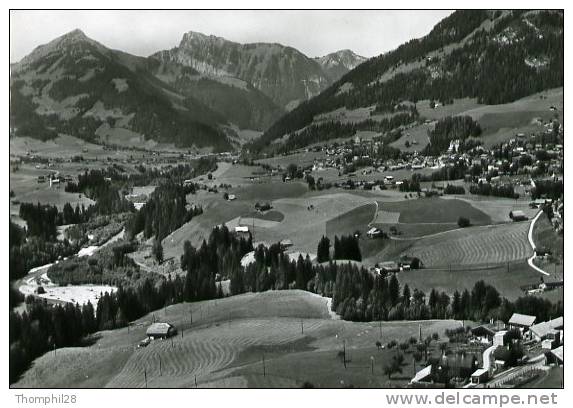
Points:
[485,245]
[225,345]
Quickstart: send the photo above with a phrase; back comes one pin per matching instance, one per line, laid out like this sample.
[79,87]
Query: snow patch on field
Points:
[81,294]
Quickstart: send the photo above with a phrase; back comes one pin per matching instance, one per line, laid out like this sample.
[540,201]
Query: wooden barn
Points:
[161,331]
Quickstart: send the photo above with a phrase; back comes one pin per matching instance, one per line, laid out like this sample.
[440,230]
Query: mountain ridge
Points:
[493,55]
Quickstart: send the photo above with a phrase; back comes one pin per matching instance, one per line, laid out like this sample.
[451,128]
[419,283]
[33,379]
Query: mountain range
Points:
[199,94]
[212,93]
[494,56]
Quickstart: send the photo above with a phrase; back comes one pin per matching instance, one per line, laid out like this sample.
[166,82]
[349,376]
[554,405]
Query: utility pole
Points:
[301,327]
[264,367]
[145,376]
[380,326]
[372,364]
[195,381]
[160,371]
[344,353]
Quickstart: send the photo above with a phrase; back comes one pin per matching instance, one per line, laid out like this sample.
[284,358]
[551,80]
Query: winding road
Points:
[530,238]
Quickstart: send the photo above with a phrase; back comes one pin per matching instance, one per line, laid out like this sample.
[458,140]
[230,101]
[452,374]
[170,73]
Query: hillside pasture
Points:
[506,280]
[300,158]
[497,208]
[474,246]
[351,221]
[306,218]
[458,107]
[417,134]
[270,191]
[224,345]
[62,147]
[417,230]
[433,210]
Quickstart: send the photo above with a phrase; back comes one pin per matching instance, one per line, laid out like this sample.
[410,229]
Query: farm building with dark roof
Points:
[161,330]
[517,215]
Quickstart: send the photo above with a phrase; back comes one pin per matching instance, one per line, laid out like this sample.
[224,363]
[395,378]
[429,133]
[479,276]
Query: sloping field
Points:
[50,196]
[416,136]
[419,230]
[301,159]
[271,191]
[497,208]
[306,226]
[63,146]
[474,246]
[434,210]
[224,345]
[506,280]
[351,221]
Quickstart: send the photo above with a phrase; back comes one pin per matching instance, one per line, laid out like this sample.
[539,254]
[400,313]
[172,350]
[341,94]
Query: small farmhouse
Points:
[161,331]
[517,215]
[521,322]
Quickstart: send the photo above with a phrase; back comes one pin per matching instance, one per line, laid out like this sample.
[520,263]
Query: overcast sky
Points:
[315,33]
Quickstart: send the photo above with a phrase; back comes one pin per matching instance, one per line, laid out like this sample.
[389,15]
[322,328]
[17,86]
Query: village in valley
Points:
[371,237]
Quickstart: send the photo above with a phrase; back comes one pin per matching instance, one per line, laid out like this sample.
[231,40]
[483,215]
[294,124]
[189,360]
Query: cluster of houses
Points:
[474,367]
[531,155]
[55,179]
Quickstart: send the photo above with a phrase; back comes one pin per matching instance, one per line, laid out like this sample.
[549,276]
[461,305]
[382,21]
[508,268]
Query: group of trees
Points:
[218,258]
[453,189]
[323,250]
[164,212]
[347,247]
[451,128]
[44,327]
[110,265]
[97,185]
[29,251]
[487,189]
[552,189]
[42,220]
[412,185]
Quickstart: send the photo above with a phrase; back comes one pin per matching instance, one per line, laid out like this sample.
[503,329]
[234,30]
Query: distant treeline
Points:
[453,189]
[504,190]
[180,173]
[322,132]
